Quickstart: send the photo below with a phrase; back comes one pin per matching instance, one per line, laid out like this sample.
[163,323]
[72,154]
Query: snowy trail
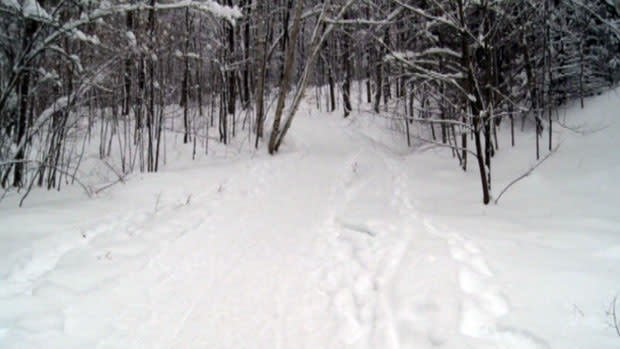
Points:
[334,243]
[240,269]
[231,260]
[399,281]
[52,294]
[373,226]
[366,240]
[243,255]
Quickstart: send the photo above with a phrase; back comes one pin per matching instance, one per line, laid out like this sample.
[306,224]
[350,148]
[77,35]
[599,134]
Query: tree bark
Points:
[475,101]
[261,66]
[346,86]
[23,93]
[284,83]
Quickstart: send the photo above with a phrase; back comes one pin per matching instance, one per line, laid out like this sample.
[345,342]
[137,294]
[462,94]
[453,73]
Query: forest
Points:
[449,72]
[330,174]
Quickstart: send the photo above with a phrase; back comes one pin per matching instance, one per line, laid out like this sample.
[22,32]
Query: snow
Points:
[346,239]
[180,54]
[227,12]
[105,5]
[32,9]
[80,35]
[12,4]
[75,59]
[131,37]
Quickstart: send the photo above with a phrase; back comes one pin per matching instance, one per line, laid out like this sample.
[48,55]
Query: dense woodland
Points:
[74,72]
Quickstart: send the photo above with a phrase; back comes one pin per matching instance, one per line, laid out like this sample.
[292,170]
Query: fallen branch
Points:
[120,180]
[580,130]
[86,189]
[527,173]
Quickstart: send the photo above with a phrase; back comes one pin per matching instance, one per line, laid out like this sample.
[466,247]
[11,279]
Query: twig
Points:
[6,191]
[614,315]
[120,180]
[580,130]
[21,202]
[157,202]
[73,177]
[442,145]
[527,173]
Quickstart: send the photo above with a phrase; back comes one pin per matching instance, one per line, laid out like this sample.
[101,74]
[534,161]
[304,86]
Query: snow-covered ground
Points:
[346,239]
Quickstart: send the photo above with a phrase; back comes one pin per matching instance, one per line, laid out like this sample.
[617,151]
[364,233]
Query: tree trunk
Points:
[284,83]
[379,80]
[332,88]
[246,56]
[533,93]
[23,93]
[231,74]
[476,105]
[317,41]
[128,63]
[346,86]
[186,83]
[261,66]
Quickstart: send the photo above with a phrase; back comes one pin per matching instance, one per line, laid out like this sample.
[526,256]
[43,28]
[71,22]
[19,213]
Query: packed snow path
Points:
[296,249]
[327,245]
